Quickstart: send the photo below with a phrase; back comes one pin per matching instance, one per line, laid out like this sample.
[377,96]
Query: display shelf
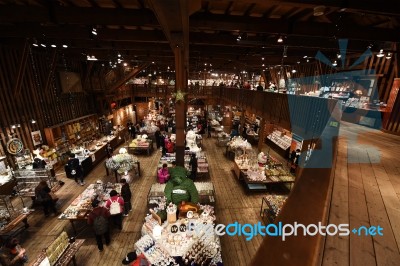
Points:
[271,205]
[10,217]
[28,180]
[280,139]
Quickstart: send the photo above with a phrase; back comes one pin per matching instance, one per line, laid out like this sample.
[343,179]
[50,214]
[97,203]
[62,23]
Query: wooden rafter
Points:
[21,69]
[131,74]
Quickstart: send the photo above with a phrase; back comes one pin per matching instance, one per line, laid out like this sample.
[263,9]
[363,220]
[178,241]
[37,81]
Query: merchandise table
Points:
[273,205]
[142,147]
[66,257]
[217,130]
[180,239]
[80,208]
[138,173]
[8,230]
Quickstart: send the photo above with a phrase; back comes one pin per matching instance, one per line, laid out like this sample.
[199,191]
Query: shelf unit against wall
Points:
[71,133]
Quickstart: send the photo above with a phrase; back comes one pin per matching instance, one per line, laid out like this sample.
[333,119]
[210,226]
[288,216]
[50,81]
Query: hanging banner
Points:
[15,146]
[36,137]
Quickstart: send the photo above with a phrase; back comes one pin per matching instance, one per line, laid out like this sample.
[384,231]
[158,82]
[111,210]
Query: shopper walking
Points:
[12,254]
[98,219]
[42,194]
[75,169]
[193,165]
[115,204]
[127,196]
[109,150]
[209,128]
[157,135]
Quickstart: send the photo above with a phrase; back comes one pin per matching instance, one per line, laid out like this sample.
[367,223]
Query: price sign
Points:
[174,229]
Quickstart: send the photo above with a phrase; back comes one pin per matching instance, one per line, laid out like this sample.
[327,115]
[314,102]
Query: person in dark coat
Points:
[162,143]
[127,196]
[101,228]
[109,150]
[193,165]
[157,135]
[75,169]
[42,193]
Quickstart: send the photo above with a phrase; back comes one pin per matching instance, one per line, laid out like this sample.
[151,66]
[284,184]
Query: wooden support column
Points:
[261,134]
[180,106]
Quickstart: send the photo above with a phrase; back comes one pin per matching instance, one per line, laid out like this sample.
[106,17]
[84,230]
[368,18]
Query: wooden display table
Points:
[271,206]
[141,149]
[80,208]
[67,256]
[12,228]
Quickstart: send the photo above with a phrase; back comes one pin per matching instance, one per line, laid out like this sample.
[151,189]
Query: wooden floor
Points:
[232,204]
[366,192]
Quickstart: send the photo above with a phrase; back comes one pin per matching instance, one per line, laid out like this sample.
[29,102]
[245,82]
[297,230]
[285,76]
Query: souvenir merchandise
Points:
[82,205]
[122,162]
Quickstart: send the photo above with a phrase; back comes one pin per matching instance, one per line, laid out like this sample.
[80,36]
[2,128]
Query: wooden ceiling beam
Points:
[282,26]
[366,6]
[78,15]
[131,75]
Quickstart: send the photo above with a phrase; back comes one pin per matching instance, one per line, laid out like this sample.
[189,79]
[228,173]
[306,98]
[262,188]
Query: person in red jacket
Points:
[115,216]
[98,219]
[170,146]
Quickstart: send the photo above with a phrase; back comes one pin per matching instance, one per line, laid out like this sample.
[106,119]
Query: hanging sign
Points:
[15,146]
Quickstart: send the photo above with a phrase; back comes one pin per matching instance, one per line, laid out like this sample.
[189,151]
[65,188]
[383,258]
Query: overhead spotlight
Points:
[94,31]
[65,46]
[35,44]
[381,54]
[298,62]
[43,45]
[53,45]
[13,126]
[239,37]
[18,125]
[305,57]
[339,56]
[119,55]
[91,58]
[388,56]
[308,60]
[334,63]
[33,121]
[262,58]
[294,71]
[285,55]
[125,64]
[152,62]
[370,46]
[263,65]
[280,39]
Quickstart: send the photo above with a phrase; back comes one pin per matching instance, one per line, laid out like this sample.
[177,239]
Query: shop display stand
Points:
[10,218]
[27,181]
[281,144]
[60,252]
[142,149]
[271,206]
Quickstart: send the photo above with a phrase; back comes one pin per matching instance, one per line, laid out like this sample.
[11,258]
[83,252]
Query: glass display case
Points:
[28,179]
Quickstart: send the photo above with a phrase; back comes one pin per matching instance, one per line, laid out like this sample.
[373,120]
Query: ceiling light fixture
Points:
[13,126]
[43,45]
[298,62]
[53,45]
[339,56]
[334,63]
[65,46]
[280,39]
[35,44]
[125,64]
[262,58]
[319,11]
[308,60]
[94,32]
[294,71]
[388,56]
[119,55]
[91,58]
[33,121]
[381,54]
[305,57]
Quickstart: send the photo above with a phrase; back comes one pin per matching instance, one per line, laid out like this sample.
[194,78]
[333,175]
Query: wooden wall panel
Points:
[24,75]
